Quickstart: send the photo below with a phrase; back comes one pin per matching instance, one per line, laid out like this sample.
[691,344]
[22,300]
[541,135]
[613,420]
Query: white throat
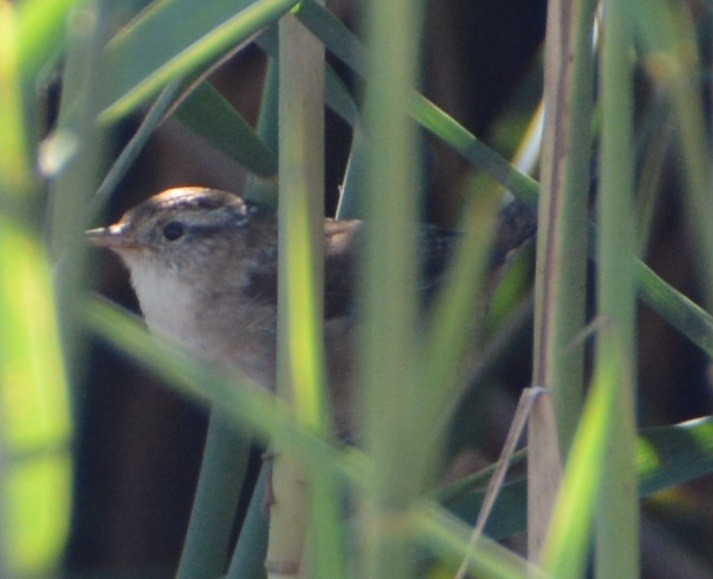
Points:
[167,303]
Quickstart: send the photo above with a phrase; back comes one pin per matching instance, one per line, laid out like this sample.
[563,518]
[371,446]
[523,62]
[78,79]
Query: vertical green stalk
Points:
[566,549]
[259,189]
[301,216]
[617,530]
[669,36]
[73,168]
[248,560]
[387,340]
[562,241]
[560,286]
[222,475]
[35,418]
[351,199]
[301,376]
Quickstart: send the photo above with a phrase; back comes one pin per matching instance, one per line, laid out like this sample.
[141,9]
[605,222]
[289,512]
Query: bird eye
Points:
[173,230]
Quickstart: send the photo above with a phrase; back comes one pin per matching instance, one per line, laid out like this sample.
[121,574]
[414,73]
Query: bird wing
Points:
[343,240]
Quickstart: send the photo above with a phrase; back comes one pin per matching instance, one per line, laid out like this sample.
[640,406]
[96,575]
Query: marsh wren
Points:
[203,264]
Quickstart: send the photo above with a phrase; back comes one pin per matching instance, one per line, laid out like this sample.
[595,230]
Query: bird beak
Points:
[116,237]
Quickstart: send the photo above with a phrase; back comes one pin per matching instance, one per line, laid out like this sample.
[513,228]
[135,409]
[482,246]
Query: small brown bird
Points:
[204,266]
